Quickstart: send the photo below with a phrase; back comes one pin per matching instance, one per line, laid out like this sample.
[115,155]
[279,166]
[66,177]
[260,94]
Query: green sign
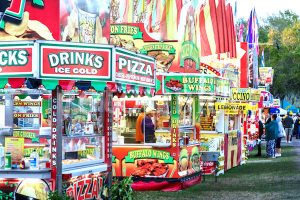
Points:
[174,120]
[222,87]
[189,51]
[158,47]
[149,153]
[190,84]
[121,29]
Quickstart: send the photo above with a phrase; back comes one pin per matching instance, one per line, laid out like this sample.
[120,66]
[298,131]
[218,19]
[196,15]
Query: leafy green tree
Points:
[280,36]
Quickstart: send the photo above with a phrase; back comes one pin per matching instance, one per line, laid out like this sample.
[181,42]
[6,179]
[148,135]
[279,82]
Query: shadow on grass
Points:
[270,179]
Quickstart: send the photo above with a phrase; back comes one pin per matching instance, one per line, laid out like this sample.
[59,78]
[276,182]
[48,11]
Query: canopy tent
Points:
[289,107]
[279,111]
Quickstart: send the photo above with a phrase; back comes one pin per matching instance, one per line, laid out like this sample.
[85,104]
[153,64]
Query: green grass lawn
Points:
[260,178]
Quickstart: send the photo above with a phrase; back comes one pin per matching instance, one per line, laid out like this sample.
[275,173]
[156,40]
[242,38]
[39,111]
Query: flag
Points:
[233,35]
[210,43]
[225,26]
[220,22]
[241,31]
[262,58]
[252,35]
[128,12]
[228,22]
[205,46]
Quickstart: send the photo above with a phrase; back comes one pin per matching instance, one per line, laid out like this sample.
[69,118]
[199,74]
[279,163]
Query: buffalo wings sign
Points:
[75,61]
[134,68]
[16,59]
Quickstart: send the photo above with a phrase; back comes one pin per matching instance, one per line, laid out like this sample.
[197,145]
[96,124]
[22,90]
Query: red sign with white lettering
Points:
[15,60]
[89,186]
[80,62]
[134,68]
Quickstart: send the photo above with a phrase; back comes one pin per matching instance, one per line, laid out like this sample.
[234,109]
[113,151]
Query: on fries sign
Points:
[16,60]
[134,68]
[75,61]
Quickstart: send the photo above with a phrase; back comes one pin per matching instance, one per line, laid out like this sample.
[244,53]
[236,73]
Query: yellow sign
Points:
[255,94]
[240,94]
[231,108]
[16,147]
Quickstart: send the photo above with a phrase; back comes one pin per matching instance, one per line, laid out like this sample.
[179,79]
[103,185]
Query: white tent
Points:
[282,111]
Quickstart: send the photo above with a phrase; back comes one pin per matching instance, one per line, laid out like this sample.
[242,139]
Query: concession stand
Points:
[55,121]
[173,161]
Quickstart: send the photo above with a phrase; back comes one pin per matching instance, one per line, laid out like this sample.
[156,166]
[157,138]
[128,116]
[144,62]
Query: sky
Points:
[265,8]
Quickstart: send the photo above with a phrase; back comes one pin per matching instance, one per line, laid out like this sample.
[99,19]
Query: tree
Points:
[282,52]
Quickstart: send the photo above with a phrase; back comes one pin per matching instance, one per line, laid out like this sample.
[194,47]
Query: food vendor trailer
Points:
[55,119]
[173,161]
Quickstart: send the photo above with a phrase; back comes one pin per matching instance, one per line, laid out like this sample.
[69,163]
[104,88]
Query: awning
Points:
[32,83]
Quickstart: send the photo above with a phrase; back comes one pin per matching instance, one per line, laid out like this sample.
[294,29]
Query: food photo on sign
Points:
[85,21]
[32,23]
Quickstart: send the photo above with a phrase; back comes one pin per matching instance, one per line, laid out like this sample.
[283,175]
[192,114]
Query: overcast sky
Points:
[265,8]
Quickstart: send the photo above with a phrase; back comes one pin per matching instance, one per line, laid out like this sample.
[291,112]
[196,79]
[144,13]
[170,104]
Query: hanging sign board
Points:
[75,61]
[231,108]
[276,103]
[222,87]
[189,84]
[134,68]
[255,94]
[240,94]
[16,59]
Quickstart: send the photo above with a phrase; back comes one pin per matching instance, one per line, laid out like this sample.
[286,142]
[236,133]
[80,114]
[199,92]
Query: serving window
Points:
[83,137]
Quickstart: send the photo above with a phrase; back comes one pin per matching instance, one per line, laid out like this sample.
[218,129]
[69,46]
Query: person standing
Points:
[260,133]
[271,132]
[297,126]
[280,134]
[148,126]
[288,124]
[139,137]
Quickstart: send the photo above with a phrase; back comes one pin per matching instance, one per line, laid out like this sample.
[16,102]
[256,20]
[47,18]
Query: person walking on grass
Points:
[288,124]
[271,133]
[280,135]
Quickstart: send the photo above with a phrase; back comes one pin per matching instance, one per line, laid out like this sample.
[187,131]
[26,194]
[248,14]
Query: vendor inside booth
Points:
[170,160]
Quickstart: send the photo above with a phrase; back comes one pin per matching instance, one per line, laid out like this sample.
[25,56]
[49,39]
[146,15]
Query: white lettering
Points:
[53,60]
[64,59]
[22,57]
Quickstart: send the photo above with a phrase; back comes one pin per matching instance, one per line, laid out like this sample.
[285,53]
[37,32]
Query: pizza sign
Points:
[133,68]
[88,188]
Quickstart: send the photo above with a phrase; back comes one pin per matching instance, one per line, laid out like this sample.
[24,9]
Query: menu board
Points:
[27,114]
[16,147]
